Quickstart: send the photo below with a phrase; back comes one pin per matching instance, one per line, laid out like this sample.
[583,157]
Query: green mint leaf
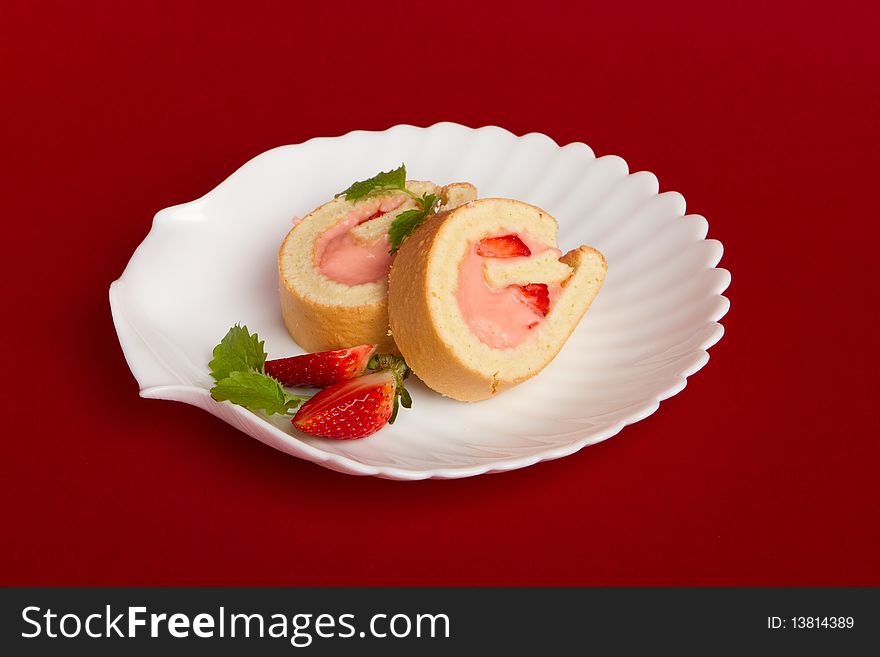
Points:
[238,351]
[406,222]
[256,392]
[394,179]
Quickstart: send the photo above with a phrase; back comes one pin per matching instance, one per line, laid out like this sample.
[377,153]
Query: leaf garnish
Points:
[406,222]
[238,369]
[238,351]
[381,182]
[256,392]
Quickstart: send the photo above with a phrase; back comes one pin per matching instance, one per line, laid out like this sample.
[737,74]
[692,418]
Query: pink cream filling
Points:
[497,317]
[343,259]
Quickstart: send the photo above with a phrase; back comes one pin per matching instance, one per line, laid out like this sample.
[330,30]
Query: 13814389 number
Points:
[821,622]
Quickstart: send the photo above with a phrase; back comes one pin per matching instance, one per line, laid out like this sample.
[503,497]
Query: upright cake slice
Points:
[481,298]
[333,265]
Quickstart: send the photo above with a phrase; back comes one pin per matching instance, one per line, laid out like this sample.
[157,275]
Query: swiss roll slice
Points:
[481,298]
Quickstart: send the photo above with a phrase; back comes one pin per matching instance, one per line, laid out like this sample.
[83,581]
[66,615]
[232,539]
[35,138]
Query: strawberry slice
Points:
[358,407]
[506,246]
[535,295]
[321,369]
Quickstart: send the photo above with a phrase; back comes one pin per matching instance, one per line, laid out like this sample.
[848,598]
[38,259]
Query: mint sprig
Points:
[238,351]
[381,182]
[256,392]
[406,222]
[238,369]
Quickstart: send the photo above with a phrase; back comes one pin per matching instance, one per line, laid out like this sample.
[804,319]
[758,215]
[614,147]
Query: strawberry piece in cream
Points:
[343,259]
[506,246]
[499,317]
[535,295]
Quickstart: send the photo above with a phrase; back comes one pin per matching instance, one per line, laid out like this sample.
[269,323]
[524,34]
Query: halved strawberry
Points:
[321,369]
[506,246]
[535,295]
[358,407]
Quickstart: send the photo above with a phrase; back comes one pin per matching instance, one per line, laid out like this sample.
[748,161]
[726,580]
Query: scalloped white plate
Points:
[208,264]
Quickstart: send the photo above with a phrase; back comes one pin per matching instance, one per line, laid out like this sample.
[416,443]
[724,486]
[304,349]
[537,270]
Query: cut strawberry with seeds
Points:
[506,246]
[358,407]
[350,409]
[535,295]
[321,369]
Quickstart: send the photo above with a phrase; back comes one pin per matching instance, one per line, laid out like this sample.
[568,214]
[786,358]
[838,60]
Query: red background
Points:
[762,472]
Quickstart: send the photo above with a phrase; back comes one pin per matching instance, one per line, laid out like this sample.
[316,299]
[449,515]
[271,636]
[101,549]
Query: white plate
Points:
[208,264]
